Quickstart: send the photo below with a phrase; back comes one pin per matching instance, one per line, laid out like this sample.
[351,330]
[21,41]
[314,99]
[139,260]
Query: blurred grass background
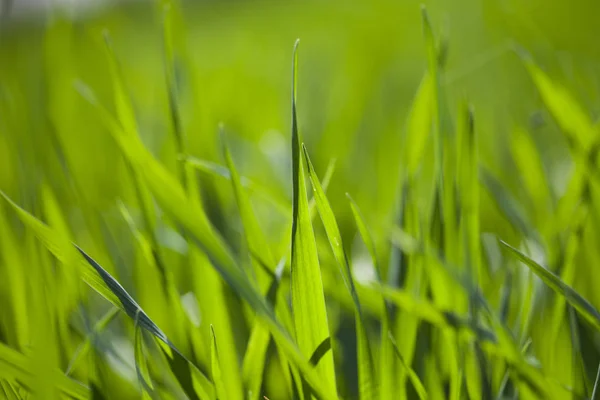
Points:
[360,67]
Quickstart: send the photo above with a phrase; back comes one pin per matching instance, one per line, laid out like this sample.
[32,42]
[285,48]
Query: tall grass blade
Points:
[412,375]
[596,390]
[216,367]
[308,300]
[141,367]
[367,385]
[386,360]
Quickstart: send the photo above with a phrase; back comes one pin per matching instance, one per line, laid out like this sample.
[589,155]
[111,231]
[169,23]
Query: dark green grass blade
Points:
[596,390]
[308,300]
[367,385]
[586,310]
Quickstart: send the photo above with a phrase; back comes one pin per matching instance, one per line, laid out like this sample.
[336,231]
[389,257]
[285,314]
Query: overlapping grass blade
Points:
[587,311]
[216,367]
[367,385]
[254,360]
[308,300]
[141,367]
[412,375]
[16,366]
[386,361]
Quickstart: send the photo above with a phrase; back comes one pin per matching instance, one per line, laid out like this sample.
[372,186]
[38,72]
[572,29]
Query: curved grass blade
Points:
[16,366]
[386,361]
[586,310]
[308,300]
[141,367]
[216,367]
[367,386]
[412,375]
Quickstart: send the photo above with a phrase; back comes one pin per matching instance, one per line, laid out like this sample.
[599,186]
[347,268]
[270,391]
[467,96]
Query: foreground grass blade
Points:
[386,361]
[216,367]
[588,311]
[367,386]
[596,390]
[14,365]
[412,375]
[308,300]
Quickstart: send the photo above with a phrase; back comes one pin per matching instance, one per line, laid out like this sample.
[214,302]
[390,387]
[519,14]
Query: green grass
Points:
[173,226]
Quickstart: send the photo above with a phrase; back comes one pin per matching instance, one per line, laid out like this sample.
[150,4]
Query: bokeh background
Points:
[360,66]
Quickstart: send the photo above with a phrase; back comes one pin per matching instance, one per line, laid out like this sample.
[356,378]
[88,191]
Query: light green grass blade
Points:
[569,115]
[596,390]
[419,125]
[412,375]
[386,352]
[16,366]
[308,300]
[141,366]
[367,385]
[586,310]
[216,367]
[254,360]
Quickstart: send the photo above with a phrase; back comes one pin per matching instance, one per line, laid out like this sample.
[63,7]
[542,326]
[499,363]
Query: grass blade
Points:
[308,300]
[412,375]
[141,367]
[596,390]
[17,366]
[386,360]
[367,386]
[216,367]
[586,310]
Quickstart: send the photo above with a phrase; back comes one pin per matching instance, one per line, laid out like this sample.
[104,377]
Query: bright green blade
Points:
[412,375]
[386,360]
[216,367]
[141,366]
[419,125]
[308,300]
[367,384]
[256,353]
[16,366]
[586,310]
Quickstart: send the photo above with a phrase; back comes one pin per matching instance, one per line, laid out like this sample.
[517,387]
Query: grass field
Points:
[403,204]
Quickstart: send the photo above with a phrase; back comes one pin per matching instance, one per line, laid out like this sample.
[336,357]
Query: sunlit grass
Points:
[209,283]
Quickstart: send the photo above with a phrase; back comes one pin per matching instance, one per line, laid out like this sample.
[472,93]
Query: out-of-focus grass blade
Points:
[85,346]
[386,361]
[141,367]
[218,170]
[308,300]
[216,367]
[367,386]
[588,311]
[509,206]
[254,360]
[569,115]
[419,125]
[412,375]
[93,274]
[596,390]
[14,365]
